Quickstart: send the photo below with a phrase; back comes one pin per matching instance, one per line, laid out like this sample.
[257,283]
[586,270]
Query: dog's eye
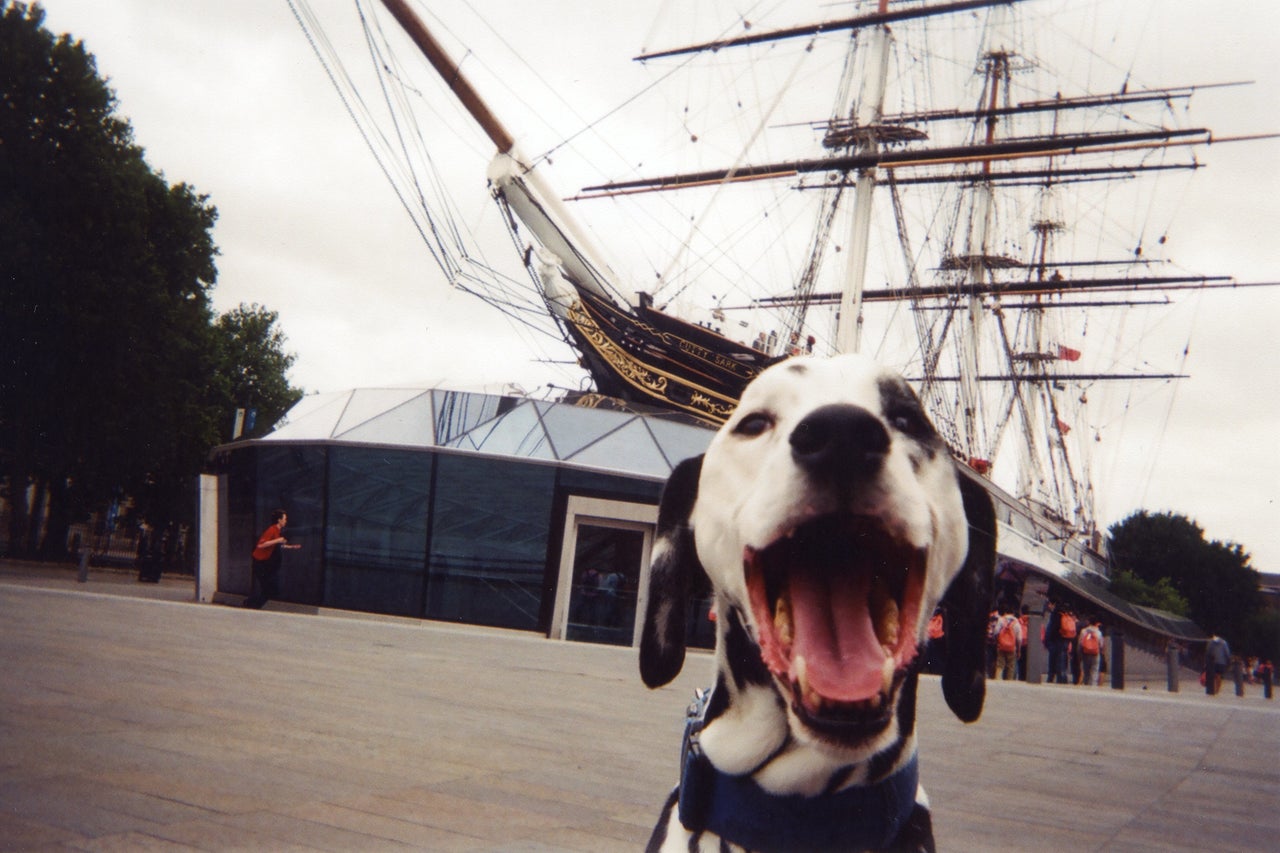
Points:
[754,424]
[910,420]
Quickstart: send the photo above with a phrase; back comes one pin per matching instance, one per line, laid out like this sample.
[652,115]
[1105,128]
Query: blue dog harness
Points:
[738,810]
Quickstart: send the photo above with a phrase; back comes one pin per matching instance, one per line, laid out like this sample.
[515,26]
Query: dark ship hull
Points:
[651,359]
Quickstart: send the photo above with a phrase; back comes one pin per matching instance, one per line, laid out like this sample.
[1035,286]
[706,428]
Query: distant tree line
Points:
[1164,560]
[116,374]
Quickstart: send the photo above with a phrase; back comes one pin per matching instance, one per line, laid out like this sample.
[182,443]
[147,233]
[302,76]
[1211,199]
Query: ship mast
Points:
[867,114]
[979,259]
[569,251]
[451,74]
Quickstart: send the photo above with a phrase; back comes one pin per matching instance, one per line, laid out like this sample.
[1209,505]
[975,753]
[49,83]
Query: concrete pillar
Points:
[1037,656]
[207,566]
[1116,661]
[1171,661]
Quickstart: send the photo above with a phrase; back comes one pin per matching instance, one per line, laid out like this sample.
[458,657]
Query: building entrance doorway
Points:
[606,580]
[604,571]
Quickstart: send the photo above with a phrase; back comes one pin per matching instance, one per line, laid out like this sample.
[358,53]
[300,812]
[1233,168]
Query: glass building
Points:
[464,507]
[517,513]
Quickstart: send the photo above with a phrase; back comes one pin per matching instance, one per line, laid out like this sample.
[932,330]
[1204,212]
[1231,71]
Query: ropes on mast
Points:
[403,155]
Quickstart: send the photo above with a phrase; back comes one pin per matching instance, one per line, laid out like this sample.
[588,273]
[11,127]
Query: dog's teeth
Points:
[811,698]
[783,627]
[888,633]
[884,613]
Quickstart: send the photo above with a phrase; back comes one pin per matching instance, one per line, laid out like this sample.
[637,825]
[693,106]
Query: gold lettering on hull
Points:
[703,403]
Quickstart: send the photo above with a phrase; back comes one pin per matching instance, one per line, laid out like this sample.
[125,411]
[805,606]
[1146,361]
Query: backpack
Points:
[1067,627]
[1007,639]
[1089,641]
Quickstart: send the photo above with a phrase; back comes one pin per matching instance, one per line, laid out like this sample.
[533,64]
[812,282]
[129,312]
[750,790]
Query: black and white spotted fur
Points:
[819,449]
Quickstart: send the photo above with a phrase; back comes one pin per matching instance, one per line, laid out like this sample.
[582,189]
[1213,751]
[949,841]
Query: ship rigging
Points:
[983,294]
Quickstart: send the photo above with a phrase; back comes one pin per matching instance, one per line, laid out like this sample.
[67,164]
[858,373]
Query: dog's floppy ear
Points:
[968,604]
[672,575]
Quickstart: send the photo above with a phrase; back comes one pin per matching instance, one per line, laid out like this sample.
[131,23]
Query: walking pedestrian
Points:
[1091,651]
[1008,632]
[1217,654]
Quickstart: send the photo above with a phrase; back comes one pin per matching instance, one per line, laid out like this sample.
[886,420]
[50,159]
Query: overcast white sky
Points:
[227,95]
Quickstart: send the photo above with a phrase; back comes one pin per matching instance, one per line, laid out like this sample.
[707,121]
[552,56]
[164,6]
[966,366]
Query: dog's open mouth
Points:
[837,601]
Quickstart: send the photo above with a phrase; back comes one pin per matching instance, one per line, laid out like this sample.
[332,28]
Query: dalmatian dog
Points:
[830,520]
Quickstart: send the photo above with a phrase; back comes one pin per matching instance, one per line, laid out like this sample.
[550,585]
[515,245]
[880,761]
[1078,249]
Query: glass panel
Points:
[368,404]
[292,478]
[489,541]
[573,428]
[234,570]
[680,441]
[631,449]
[598,485]
[516,433]
[606,578]
[376,541]
[313,417]
[458,413]
[406,424]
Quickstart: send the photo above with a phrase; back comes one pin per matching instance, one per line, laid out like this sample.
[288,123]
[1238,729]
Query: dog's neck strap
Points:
[738,810]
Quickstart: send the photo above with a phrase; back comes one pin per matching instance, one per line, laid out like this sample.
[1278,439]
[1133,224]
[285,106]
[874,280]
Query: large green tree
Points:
[113,378]
[1215,579]
[245,368]
[254,364]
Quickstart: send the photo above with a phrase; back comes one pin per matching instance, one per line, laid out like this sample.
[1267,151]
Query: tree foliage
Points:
[1260,634]
[254,364]
[1160,595]
[1215,578]
[113,369]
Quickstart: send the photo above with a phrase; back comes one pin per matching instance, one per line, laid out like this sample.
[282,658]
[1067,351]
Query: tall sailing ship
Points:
[938,226]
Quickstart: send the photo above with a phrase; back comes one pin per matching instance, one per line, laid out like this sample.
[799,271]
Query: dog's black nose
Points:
[840,441]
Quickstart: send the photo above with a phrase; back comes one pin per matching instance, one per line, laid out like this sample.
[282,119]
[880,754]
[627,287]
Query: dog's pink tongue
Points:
[834,634]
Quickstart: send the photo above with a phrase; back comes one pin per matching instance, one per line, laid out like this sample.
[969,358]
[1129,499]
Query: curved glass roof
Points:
[645,445]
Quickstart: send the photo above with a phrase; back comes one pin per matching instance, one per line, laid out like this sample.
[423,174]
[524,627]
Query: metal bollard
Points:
[1237,673]
[83,575]
[1117,660]
[1035,651]
[1266,682]
[1171,661]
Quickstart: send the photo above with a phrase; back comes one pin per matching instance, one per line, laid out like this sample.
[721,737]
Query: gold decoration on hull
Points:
[703,403]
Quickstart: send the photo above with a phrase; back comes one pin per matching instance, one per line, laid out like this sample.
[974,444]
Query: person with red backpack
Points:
[1008,640]
[1091,651]
[1068,628]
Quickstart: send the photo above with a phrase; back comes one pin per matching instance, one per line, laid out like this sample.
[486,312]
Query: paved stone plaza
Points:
[133,719]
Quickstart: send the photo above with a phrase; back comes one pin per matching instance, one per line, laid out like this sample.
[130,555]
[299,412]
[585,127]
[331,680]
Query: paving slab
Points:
[132,718]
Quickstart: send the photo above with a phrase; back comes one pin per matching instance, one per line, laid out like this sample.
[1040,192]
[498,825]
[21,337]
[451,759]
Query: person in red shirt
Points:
[266,561]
